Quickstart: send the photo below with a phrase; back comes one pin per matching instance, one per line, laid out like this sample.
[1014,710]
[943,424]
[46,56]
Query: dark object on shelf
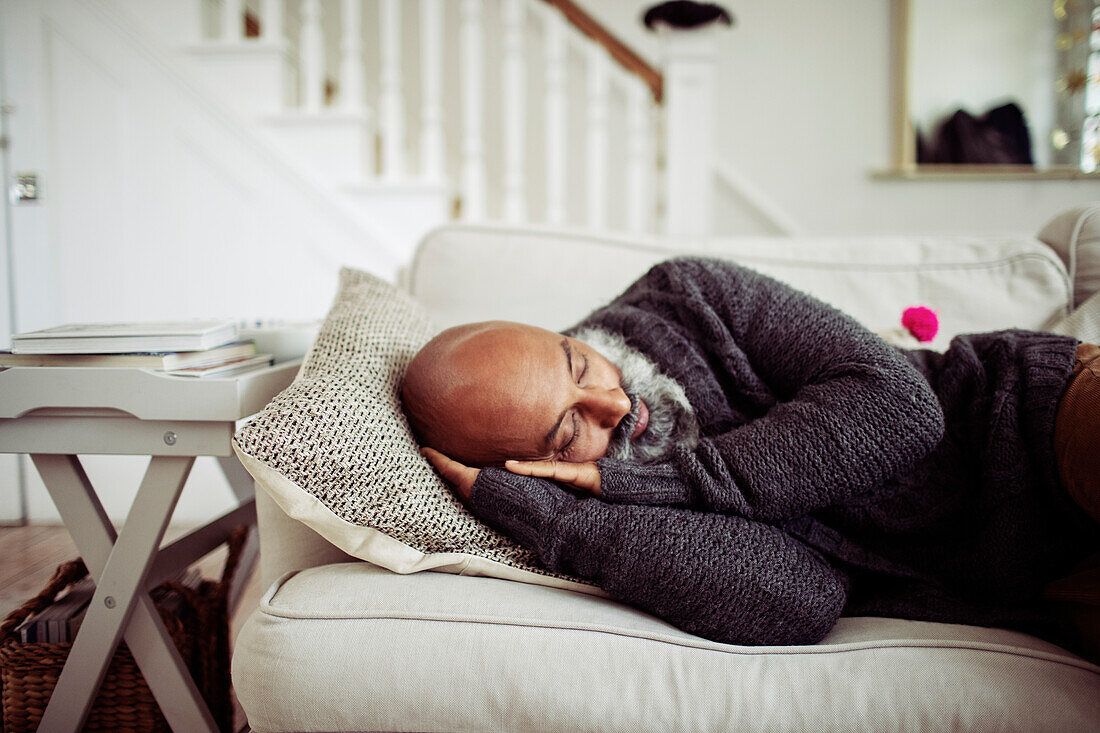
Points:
[1000,136]
[686,14]
[199,626]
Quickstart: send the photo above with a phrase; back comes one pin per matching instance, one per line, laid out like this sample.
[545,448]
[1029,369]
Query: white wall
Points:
[804,110]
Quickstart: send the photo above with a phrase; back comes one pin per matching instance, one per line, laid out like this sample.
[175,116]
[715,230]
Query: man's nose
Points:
[607,406]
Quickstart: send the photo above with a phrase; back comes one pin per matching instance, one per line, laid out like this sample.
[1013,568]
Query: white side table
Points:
[56,413]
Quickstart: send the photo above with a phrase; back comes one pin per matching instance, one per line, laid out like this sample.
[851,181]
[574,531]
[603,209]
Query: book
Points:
[124,338]
[53,624]
[141,359]
[224,369]
[59,622]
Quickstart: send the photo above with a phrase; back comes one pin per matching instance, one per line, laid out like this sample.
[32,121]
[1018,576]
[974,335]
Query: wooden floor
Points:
[29,555]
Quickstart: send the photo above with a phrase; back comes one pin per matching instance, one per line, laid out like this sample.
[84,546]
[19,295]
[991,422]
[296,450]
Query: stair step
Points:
[256,77]
[406,208]
[338,145]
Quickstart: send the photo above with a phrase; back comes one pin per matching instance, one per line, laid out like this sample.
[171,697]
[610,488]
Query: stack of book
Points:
[59,622]
[183,348]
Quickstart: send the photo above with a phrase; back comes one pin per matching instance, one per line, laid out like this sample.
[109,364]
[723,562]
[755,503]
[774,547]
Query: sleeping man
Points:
[749,463]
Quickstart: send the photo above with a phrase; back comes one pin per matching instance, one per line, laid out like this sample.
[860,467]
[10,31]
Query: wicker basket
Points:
[199,627]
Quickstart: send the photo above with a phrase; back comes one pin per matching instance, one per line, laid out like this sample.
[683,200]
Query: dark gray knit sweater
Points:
[836,473]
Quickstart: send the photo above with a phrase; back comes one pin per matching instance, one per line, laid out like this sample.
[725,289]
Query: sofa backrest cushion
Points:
[553,279]
[335,451]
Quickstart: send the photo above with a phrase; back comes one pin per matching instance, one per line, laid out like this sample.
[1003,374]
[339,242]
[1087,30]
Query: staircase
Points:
[420,112]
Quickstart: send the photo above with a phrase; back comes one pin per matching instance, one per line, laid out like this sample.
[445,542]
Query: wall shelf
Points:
[983,173]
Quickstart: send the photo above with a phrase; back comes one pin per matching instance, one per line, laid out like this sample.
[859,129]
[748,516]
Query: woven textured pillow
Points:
[336,452]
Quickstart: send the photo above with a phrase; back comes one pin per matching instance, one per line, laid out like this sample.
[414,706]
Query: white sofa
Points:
[341,645]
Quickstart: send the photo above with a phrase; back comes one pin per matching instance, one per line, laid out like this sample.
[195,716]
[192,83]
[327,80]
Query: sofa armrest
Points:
[1075,236]
[1084,322]
[287,544]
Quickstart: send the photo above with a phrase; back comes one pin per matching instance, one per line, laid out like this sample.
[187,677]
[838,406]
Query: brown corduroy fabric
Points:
[1077,431]
[1076,598]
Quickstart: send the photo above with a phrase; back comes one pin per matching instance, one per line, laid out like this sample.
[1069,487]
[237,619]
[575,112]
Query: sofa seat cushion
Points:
[352,646]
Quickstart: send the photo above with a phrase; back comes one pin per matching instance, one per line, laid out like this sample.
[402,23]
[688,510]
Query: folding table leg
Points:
[120,605]
[240,480]
[244,488]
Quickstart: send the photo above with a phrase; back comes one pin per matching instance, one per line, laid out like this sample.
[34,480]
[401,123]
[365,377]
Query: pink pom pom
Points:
[922,322]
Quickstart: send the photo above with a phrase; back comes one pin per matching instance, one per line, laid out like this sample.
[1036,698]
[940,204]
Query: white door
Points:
[12,509]
[11,488]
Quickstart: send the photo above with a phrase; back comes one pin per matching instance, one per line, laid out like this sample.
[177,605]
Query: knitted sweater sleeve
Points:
[851,414]
[725,578]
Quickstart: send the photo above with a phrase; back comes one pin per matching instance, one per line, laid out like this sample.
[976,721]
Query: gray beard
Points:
[672,423]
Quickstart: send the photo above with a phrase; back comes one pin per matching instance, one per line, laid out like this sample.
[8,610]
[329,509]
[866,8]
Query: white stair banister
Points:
[514,107]
[351,55]
[616,102]
[689,122]
[597,157]
[431,86]
[473,104]
[391,102]
[640,158]
[232,20]
[271,20]
[556,120]
[312,49]
[689,64]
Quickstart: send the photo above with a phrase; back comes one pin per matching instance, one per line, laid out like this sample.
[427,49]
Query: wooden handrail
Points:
[629,60]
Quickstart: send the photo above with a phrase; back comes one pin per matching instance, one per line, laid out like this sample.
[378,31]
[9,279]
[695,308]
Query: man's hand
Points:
[583,476]
[460,477]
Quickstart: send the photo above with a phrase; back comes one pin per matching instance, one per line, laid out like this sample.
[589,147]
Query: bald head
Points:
[486,392]
[445,370]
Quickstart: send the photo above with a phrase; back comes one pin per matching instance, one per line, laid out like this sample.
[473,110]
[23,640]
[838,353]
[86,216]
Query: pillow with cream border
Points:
[335,450]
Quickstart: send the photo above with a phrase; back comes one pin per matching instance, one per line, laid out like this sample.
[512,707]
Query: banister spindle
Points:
[313,56]
[351,55]
[473,101]
[514,111]
[555,116]
[271,20]
[431,87]
[232,20]
[597,157]
[391,103]
[640,160]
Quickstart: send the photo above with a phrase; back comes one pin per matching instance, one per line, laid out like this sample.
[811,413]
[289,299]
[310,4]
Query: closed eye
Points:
[567,449]
[564,452]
